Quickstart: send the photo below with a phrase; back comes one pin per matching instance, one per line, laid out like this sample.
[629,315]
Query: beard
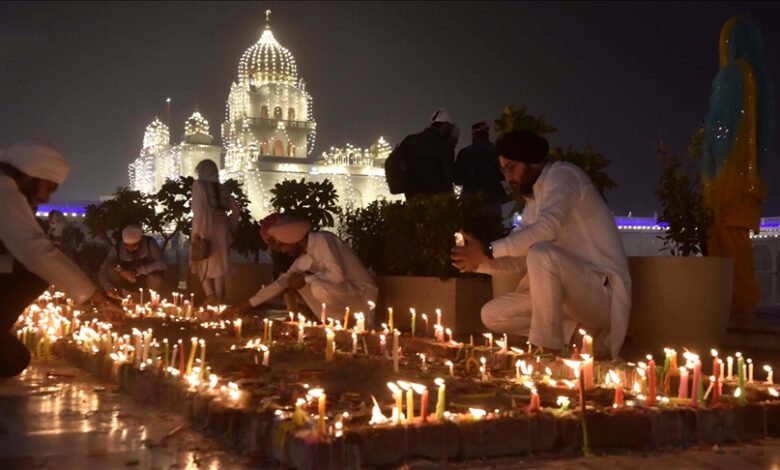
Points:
[523,188]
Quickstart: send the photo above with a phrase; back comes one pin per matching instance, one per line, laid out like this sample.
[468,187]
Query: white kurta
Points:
[572,226]
[25,241]
[334,276]
[213,225]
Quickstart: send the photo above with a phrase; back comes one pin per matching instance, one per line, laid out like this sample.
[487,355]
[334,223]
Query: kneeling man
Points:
[325,271]
[135,263]
[567,248]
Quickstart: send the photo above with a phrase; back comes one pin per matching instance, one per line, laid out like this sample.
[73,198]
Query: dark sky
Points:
[616,75]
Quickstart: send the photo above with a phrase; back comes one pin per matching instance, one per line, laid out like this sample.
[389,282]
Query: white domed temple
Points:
[268,136]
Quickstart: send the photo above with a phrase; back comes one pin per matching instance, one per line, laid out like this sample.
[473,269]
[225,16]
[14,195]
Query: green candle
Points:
[741,373]
[440,399]
[191,359]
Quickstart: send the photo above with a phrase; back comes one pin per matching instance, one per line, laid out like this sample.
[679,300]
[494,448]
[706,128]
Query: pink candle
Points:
[695,384]
[619,401]
[535,404]
[587,370]
[716,386]
[424,405]
[651,382]
[683,390]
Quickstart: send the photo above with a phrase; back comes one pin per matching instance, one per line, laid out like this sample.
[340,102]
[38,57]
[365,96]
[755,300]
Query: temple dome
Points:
[267,61]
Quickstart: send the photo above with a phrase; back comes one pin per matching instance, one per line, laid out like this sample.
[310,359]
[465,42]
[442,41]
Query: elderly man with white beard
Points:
[567,249]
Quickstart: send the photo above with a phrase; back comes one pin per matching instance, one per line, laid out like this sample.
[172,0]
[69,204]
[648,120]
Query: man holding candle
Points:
[29,173]
[567,249]
[325,272]
[136,261]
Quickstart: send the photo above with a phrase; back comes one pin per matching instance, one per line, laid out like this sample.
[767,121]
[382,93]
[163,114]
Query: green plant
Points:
[313,200]
[681,202]
[246,237]
[107,219]
[518,119]
[173,200]
[384,233]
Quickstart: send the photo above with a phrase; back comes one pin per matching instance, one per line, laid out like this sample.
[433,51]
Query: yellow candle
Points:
[440,399]
[390,318]
[321,409]
[399,407]
[191,358]
[329,336]
[346,318]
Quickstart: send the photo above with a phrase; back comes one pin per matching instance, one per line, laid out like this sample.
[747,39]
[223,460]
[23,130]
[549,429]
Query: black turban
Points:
[522,146]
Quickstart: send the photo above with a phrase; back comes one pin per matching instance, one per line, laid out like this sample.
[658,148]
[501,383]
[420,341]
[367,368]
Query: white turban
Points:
[441,115]
[132,234]
[38,160]
[290,230]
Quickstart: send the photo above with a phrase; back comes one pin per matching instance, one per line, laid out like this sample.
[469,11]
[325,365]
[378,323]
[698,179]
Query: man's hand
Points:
[231,313]
[109,310]
[467,258]
[296,281]
[129,276]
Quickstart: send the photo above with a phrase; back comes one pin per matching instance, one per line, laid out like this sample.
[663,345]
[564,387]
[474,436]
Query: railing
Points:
[274,122]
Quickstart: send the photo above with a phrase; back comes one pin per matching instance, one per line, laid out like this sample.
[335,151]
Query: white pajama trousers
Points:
[559,292]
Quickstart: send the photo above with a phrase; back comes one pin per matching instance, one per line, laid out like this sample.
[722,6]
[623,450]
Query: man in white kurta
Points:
[29,173]
[568,250]
[326,271]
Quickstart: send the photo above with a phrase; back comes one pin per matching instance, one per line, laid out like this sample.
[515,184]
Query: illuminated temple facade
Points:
[268,136]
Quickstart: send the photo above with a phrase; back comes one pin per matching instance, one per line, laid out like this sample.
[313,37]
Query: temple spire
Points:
[268,19]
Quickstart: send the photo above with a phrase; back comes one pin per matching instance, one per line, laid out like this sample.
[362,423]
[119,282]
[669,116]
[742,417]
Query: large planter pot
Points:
[460,300]
[244,280]
[679,302]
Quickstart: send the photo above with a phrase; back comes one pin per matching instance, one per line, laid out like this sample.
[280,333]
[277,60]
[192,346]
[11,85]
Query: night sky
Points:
[91,76]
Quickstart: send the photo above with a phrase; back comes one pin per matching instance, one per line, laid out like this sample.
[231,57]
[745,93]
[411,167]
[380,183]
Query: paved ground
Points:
[57,416]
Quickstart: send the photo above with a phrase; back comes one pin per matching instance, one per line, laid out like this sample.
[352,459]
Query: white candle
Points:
[722,370]
[730,362]
[505,347]
[300,333]
[354,343]
[750,370]
[451,366]
[438,316]
[422,358]
[483,369]
[266,354]
[396,334]
[768,370]
[449,336]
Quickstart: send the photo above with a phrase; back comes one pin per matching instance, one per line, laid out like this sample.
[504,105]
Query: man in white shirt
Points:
[325,271]
[136,262]
[575,272]
[29,173]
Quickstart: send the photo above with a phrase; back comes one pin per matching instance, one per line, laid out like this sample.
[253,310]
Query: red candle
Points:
[424,405]
[587,370]
[619,401]
[181,357]
[535,405]
[651,381]
[716,386]
[695,384]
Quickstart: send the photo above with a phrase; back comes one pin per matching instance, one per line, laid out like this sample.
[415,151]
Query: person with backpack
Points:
[136,262]
[424,163]
[214,219]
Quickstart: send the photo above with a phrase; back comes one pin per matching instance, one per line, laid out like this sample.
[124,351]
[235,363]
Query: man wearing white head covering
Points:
[325,271]
[427,158]
[214,219]
[29,173]
[135,262]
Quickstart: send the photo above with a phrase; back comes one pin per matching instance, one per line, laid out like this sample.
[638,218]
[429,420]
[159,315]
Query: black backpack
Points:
[395,169]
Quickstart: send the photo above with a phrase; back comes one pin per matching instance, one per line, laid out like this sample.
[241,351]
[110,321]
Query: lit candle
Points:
[265,329]
[722,369]
[488,339]
[270,331]
[319,394]
[237,323]
[424,366]
[683,389]
[182,370]
[750,370]
[399,407]
[619,399]
[650,380]
[730,363]
[191,358]
[409,400]
[346,318]
[587,371]
[165,360]
[266,354]
[741,376]
[451,366]
[587,343]
[323,314]
[534,405]
[422,390]
[449,336]
[202,356]
[715,379]
[382,345]
[696,383]
[292,318]
[440,398]
[396,334]
[425,321]
[414,320]
[354,343]
[329,336]
[300,333]
[390,318]
[505,346]
[141,291]
[768,370]
[483,369]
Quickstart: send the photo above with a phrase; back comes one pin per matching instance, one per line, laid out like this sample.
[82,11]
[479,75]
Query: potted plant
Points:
[682,300]
[408,245]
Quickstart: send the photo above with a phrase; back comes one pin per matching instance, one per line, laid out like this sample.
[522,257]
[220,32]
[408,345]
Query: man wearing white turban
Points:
[137,261]
[325,271]
[29,173]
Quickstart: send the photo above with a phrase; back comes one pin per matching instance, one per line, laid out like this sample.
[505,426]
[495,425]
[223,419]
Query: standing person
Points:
[29,173]
[211,203]
[738,141]
[136,262]
[477,170]
[568,249]
[424,163]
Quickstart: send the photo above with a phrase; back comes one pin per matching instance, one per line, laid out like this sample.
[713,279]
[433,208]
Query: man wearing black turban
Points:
[567,249]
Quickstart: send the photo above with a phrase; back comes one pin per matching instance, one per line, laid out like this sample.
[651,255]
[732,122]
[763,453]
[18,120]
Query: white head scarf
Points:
[38,160]
[132,234]
[207,171]
[290,229]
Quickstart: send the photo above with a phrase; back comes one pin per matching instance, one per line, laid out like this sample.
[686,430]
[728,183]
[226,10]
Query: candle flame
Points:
[714,352]
[315,392]
[438,381]
[418,388]
[563,401]
[393,388]
[403,384]
[773,392]
[477,413]
[737,392]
